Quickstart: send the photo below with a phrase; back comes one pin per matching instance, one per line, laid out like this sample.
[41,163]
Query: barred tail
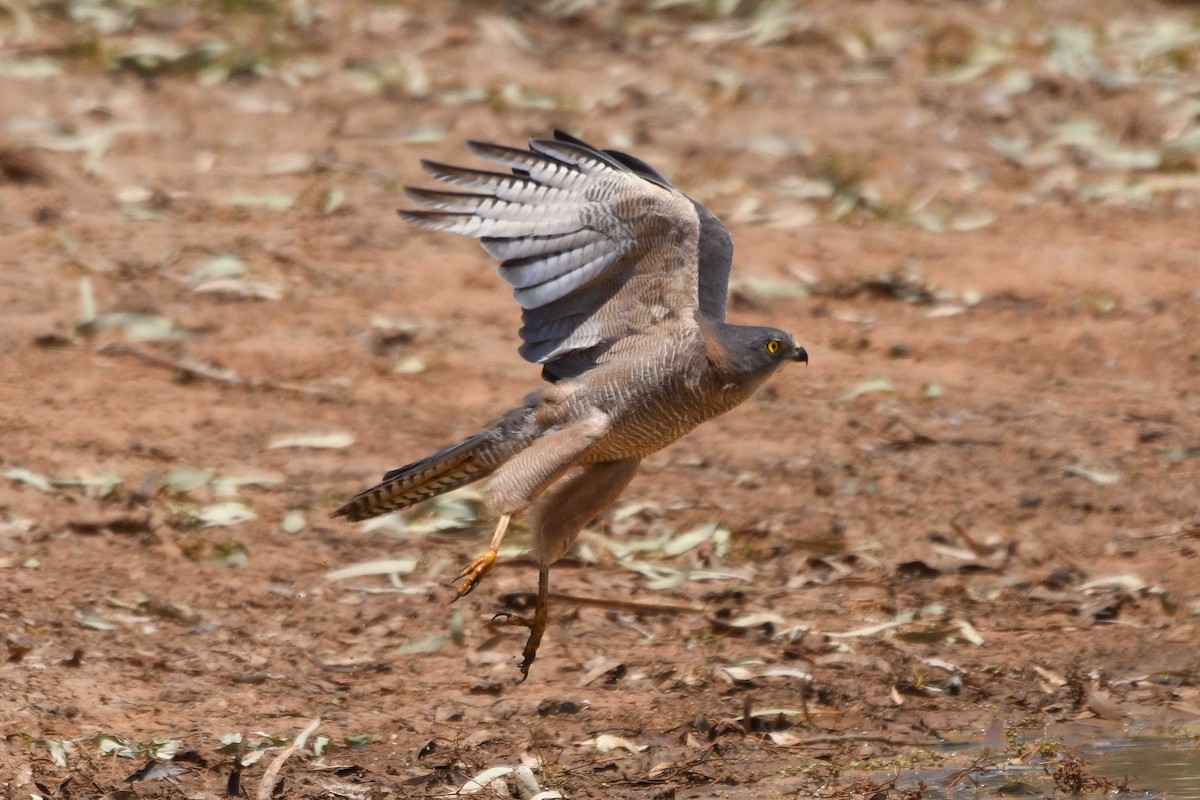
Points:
[435,474]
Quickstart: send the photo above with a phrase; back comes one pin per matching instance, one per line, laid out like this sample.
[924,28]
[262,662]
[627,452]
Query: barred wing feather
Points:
[596,245]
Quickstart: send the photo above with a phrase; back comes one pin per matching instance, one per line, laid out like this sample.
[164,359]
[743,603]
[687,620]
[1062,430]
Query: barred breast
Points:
[655,400]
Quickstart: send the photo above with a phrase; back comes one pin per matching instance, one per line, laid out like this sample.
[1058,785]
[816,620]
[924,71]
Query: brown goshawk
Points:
[622,281]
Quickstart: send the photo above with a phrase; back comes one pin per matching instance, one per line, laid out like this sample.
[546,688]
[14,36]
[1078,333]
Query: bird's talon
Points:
[473,573]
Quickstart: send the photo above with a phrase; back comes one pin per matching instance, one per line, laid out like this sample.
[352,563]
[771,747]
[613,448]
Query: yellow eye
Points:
[773,346]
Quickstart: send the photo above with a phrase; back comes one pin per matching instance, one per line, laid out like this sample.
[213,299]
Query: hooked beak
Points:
[800,354]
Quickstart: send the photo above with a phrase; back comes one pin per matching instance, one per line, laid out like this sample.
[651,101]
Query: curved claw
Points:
[473,573]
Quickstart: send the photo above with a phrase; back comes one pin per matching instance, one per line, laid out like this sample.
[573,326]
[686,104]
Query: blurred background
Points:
[972,518]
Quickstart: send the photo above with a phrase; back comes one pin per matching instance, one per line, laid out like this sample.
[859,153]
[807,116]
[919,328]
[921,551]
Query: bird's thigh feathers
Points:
[577,499]
[519,481]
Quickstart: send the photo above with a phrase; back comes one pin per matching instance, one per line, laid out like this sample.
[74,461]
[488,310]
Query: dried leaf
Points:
[292,522]
[409,366]
[241,287]
[22,475]
[484,779]
[335,440]
[184,479]
[222,265]
[332,199]
[289,164]
[1095,476]
[606,743]
[95,621]
[1130,583]
[972,221]
[522,97]
[384,566]
[784,738]
[30,68]
[678,545]
[873,386]
[224,514]
[58,749]
[136,326]
[426,644]
[228,485]
[264,201]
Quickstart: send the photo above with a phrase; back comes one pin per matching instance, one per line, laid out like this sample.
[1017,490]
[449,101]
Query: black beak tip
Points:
[800,355]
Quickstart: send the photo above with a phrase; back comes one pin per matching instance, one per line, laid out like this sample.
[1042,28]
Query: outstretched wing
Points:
[597,246]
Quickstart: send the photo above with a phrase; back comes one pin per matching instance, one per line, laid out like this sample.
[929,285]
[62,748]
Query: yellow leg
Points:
[473,573]
[536,623]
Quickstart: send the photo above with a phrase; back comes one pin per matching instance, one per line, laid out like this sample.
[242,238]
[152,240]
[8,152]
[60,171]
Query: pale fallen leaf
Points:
[874,386]
[266,201]
[241,287]
[869,630]
[22,475]
[334,440]
[222,265]
[1093,475]
[292,522]
[228,485]
[425,644]
[289,164]
[969,632]
[758,619]
[30,68]
[185,479]
[606,743]
[734,675]
[972,221]
[484,779]
[409,366]
[1130,583]
[222,514]
[678,545]
[784,738]
[383,566]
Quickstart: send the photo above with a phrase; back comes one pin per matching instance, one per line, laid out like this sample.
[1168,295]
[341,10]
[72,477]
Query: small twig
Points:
[338,166]
[233,786]
[979,549]
[199,369]
[626,605]
[919,437]
[364,666]
[857,737]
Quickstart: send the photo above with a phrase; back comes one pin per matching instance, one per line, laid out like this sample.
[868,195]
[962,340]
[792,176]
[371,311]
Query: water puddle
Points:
[1168,768]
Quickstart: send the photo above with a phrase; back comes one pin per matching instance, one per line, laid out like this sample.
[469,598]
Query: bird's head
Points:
[748,353]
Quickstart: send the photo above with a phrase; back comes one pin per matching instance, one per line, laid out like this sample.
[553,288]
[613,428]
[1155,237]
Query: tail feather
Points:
[435,474]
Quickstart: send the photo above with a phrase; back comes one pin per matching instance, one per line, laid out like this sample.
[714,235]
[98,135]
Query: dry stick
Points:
[857,737]
[209,372]
[233,786]
[626,605]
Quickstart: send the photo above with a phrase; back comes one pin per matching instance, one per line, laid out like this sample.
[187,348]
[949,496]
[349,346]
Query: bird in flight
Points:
[622,282]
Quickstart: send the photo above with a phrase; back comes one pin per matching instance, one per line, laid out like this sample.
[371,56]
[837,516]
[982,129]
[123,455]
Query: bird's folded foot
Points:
[536,623]
[473,573]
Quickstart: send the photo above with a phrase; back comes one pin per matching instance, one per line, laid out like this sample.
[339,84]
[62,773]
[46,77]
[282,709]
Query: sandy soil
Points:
[972,519]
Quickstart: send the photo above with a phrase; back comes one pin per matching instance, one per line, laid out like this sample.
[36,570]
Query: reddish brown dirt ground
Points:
[946,196]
